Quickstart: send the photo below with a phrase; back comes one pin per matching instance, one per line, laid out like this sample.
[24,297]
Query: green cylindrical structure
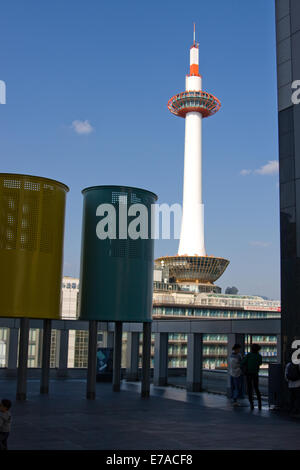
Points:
[117,254]
[32,213]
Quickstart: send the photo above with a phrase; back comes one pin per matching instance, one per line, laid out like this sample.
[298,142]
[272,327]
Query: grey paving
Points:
[171,419]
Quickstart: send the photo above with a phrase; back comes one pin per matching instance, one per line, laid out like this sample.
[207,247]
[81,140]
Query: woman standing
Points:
[235,373]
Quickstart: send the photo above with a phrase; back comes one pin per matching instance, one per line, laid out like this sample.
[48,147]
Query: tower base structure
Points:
[192,269]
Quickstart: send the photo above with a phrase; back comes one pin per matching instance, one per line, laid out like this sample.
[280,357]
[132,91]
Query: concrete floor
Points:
[171,419]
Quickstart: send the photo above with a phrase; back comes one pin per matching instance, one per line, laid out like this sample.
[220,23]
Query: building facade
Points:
[170,301]
[193,304]
[288,73]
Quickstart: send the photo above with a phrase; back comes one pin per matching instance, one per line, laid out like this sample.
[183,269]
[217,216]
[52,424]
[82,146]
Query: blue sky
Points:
[115,65]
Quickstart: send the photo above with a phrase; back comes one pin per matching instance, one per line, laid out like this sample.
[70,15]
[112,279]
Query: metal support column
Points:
[132,357]
[194,362]
[23,359]
[110,339]
[63,341]
[92,361]
[44,388]
[12,352]
[117,357]
[279,349]
[161,359]
[146,360]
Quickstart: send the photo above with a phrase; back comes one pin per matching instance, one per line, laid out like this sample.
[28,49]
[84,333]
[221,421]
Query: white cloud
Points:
[271,168]
[82,127]
[259,243]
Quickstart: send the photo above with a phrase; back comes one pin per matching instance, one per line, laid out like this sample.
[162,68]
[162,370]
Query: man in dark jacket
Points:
[250,366]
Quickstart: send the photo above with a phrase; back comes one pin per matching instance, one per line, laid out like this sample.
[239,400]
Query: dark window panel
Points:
[297,187]
[295,16]
[286,145]
[295,42]
[286,121]
[282,8]
[297,139]
[288,232]
[287,194]
[287,170]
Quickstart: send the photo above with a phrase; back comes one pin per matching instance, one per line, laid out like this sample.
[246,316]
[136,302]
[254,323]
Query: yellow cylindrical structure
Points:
[32,214]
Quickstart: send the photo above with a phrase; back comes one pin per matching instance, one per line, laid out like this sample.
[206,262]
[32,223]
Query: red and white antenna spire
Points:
[194,34]
[194,57]
[193,79]
[192,265]
[194,105]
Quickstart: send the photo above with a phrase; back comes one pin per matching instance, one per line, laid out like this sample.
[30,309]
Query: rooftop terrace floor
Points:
[170,419]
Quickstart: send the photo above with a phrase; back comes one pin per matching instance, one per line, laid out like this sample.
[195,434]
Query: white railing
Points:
[241,304]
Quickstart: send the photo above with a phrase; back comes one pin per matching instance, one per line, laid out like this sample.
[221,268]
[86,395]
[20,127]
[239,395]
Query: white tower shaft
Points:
[192,225]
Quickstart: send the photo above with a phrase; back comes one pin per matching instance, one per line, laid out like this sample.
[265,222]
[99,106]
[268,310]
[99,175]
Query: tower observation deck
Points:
[192,264]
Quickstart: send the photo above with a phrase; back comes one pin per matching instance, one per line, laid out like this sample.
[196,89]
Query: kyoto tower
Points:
[192,264]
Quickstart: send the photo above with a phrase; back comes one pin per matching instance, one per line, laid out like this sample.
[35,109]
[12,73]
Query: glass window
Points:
[287,194]
[286,145]
[32,334]
[286,121]
[2,353]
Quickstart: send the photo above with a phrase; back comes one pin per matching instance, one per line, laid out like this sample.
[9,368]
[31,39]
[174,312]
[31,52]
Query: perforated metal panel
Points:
[31,242]
[116,274]
[118,197]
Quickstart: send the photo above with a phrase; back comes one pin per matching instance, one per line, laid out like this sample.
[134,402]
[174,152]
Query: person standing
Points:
[5,422]
[235,372]
[292,376]
[250,366]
